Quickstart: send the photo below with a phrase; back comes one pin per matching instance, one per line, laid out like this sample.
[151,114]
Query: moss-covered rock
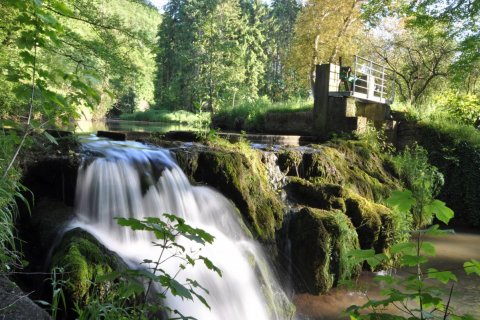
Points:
[289,161]
[320,241]
[374,223]
[83,259]
[350,164]
[322,196]
[243,179]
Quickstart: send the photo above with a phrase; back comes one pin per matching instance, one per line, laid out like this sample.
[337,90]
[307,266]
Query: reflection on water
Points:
[137,126]
[452,252]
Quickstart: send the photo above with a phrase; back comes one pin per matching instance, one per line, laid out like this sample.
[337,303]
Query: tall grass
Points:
[10,190]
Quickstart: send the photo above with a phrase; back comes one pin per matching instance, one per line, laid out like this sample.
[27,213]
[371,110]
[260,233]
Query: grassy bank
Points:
[252,114]
[181,117]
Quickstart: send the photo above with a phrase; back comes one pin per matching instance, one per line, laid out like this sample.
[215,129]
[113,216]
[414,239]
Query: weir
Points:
[128,179]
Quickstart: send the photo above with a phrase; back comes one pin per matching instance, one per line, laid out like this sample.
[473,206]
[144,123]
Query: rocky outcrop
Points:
[16,305]
[320,242]
[81,259]
[242,178]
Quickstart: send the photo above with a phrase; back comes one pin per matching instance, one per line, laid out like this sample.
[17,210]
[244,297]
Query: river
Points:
[452,251]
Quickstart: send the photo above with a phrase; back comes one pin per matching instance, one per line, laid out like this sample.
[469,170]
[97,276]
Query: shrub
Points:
[461,107]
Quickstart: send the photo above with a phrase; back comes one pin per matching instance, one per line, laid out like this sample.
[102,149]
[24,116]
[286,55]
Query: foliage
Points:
[79,49]
[324,31]
[202,55]
[10,188]
[461,107]
[128,299]
[419,57]
[280,81]
[252,114]
[423,179]
[419,295]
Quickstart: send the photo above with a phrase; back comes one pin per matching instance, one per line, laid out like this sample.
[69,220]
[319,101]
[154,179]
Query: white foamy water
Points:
[132,180]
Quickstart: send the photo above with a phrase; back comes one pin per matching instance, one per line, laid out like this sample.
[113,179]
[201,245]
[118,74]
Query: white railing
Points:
[365,80]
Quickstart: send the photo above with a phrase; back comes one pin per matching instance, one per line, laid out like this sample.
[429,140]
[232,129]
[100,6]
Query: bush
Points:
[461,107]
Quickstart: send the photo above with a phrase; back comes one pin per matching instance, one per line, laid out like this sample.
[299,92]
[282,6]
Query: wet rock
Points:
[374,223]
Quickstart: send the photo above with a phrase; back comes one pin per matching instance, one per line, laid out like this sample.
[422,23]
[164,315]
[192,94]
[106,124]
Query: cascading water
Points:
[133,180]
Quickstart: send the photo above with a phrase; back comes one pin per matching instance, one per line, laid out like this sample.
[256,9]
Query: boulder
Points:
[16,305]
[320,242]
[80,259]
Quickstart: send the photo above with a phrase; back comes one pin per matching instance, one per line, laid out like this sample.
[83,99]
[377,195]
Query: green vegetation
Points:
[182,117]
[418,295]
[10,188]
[251,115]
[96,283]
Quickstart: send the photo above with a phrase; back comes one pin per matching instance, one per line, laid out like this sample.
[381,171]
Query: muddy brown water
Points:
[451,252]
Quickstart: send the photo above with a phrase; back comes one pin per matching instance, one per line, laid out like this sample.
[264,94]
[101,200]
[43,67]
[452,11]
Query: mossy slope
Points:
[457,156]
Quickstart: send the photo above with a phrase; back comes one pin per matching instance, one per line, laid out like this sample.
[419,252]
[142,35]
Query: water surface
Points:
[452,251]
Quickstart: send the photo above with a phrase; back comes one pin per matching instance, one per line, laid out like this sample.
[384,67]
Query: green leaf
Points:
[442,276]
[403,201]
[428,248]
[413,260]
[179,290]
[209,264]
[435,231]
[472,266]
[50,137]
[403,248]
[440,210]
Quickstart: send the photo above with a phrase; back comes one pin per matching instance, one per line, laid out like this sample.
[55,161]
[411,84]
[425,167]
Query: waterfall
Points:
[128,179]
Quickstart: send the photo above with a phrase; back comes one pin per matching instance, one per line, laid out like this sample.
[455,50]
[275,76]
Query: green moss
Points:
[320,243]
[83,259]
[242,178]
[378,227]
[351,164]
[457,156]
[289,162]
[321,196]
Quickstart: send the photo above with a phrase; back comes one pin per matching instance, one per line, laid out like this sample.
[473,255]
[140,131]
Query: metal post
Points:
[354,75]
[383,83]
[369,79]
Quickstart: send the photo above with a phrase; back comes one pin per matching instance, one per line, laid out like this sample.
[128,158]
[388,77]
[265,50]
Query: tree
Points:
[255,14]
[202,55]
[324,31]
[419,57]
[279,80]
